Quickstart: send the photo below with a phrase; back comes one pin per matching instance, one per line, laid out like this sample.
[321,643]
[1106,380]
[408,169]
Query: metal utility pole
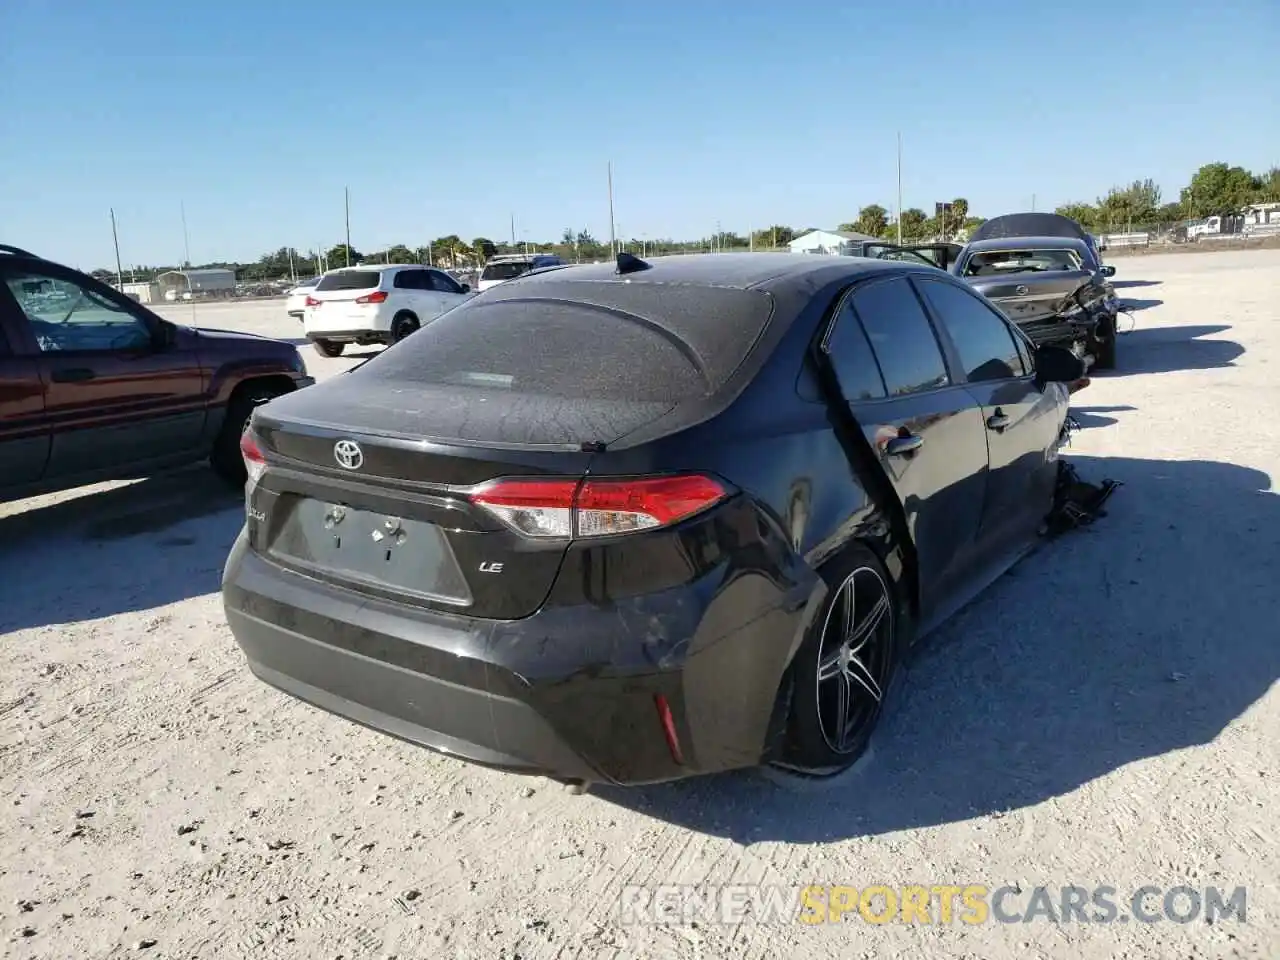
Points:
[513,231]
[751,239]
[346,198]
[899,188]
[186,253]
[293,271]
[1033,203]
[613,230]
[116,240]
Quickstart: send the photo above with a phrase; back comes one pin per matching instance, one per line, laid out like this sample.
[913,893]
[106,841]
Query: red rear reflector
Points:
[378,296]
[597,508]
[668,727]
[313,302]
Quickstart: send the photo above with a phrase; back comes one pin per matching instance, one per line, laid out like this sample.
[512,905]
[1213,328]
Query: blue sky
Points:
[451,118]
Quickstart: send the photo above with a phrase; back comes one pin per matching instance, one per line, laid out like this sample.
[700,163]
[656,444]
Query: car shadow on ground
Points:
[1089,417]
[1139,648]
[1134,305]
[126,548]
[1168,349]
[1128,284]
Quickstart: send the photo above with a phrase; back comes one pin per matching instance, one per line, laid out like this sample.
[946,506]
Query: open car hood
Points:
[1029,225]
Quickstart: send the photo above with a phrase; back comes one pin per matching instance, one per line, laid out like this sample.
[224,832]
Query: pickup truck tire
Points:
[329,348]
[225,457]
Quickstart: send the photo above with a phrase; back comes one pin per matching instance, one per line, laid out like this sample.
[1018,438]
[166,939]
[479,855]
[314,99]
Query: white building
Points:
[829,241]
[142,291]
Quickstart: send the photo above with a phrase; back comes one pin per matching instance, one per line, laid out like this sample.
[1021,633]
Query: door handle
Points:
[903,445]
[998,420]
[72,375]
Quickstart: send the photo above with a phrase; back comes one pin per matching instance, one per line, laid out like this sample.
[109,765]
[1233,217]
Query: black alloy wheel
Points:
[843,672]
[854,660]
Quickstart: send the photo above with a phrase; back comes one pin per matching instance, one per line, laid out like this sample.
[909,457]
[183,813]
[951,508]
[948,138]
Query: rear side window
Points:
[901,337]
[442,282]
[412,280]
[585,341]
[984,341]
[507,270]
[349,280]
[851,358]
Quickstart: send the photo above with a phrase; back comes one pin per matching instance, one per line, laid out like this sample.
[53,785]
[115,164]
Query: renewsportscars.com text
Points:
[943,904]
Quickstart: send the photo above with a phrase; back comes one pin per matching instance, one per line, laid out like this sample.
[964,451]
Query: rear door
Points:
[114,395]
[448,291]
[925,431]
[24,431]
[1022,420]
[341,301]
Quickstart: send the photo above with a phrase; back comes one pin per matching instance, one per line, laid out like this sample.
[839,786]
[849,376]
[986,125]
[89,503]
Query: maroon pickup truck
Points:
[94,386]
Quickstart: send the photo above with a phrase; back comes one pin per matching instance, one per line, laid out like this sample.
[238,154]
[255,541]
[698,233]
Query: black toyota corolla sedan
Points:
[632,522]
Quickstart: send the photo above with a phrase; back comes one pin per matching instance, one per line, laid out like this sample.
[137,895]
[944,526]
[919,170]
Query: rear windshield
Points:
[992,263]
[349,280]
[507,270]
[587,341]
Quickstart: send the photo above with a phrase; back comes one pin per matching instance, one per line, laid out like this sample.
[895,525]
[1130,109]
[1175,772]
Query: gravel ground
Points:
[1104,715]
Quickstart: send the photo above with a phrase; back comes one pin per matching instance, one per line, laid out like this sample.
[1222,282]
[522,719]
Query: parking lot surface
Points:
[1105,715]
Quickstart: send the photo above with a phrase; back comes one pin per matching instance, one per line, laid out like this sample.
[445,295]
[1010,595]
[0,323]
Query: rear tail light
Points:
[378,296]
[313,302]
[254,462]
[569,508]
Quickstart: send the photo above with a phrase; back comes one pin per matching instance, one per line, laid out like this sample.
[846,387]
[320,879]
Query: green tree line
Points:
[1216,188]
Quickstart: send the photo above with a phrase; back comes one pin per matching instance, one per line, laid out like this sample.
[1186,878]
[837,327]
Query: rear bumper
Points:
[348,336]
[570,692]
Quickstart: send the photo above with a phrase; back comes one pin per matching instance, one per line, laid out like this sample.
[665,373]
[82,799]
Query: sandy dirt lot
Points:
[1106,714]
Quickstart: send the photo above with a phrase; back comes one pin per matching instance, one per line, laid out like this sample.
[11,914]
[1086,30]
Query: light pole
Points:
[613,228]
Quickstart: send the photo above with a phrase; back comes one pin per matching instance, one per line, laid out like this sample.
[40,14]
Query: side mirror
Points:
[466,288]
[1056,364]
[1108,271]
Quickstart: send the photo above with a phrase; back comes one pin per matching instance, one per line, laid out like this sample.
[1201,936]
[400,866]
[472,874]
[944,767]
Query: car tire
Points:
[402,325]
[225,458]
[840,665]
[329,348]
[1104,350]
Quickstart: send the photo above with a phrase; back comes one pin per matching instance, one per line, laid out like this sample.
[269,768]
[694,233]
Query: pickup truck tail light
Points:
[378,296]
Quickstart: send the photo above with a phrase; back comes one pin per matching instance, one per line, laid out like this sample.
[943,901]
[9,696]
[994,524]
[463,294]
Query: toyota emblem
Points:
[348,454]
[1021,291]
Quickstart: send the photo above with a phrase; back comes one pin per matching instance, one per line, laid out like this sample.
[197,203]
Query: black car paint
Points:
[560,674]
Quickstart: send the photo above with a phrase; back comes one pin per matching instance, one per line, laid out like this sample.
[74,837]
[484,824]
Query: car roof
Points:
[744,271]
[1026,243]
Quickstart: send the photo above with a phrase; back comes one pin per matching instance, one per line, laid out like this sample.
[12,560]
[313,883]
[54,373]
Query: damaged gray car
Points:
[1045,273]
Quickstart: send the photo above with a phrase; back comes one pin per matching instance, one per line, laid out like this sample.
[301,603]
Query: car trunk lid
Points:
[390,515]
[1032,297]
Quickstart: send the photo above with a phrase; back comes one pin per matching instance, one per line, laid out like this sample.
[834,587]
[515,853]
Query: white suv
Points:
[376,304]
